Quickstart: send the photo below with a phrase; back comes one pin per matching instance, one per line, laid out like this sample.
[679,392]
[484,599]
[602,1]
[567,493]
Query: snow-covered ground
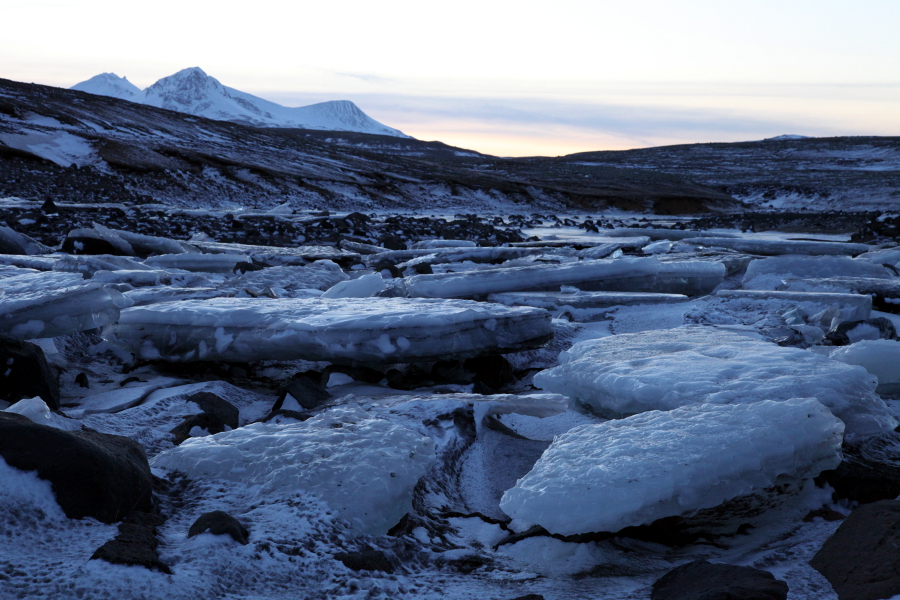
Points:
[388,426]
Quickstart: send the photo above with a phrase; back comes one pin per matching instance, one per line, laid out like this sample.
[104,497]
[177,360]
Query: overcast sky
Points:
[508,78]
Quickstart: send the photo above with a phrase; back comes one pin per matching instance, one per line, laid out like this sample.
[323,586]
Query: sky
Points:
[507,78]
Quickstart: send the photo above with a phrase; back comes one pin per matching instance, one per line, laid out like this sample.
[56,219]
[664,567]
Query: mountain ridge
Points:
[193,91]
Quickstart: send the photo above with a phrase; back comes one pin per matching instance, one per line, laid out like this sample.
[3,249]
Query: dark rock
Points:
[869,471]
[220,522]
[308,389]
[701,580]
[364,374]
[290,414]
[494,370]
[90,245]
[839,335]
[49,207]
[366,560]
[824,513]
[213,405]
[861,559]
[211,423]
[93,474]
[26,373]
[529,597]
[135,544]
[82,380]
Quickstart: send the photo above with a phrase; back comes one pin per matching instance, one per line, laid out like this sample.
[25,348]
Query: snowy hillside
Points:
[193,91]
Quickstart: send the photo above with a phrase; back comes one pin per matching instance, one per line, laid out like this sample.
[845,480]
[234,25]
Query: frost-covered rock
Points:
[353,330]
[37,411]
[365,468]
[49,304]
[770,273]
[13,242]
[667,369]
[633,471]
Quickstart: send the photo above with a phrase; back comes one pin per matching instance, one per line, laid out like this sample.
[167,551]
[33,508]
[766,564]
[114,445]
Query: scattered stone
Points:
[702,580]
[26,373]
[93,474]
[135,544]
[220,522]
[848,332]
[493,370]
[305,391]
[367,559]
[861,559]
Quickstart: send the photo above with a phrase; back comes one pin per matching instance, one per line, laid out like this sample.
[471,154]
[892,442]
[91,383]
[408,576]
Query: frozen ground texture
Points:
[662,370]
[657,464]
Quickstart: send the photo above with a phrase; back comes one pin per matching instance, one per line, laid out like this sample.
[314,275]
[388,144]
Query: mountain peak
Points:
[195,92]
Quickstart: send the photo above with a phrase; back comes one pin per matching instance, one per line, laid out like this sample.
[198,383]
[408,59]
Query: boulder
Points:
[219,522]
[861,560]
[702,580]
[93,474]
[366,559]
[26,373]
[135,544]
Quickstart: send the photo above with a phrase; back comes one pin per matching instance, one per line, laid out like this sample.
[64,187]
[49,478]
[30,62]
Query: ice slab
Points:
[633,471]
[539,277]
[89,264]
[584,243]
[153,277]
[38,411]
[319,275]
[98,233]
[663,370]
[777,247]
[885,293]
[40,263]
[690,278]
[198,263]
[443,244]
[279,256]
[13,242]
[583,306]
[365,468]
[482,255]
[665,234]
[48,304]
[350,331]
[881,358]
[152,295]
[144,245]
[361,248]
[361,287]
[851,307]
[770,273]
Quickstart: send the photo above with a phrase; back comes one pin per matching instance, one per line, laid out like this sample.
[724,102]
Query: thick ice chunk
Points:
[426,244]
[354,330]
[144,245]
[586,243]
[583,306]
[538,277]
[885,293]
[40,263]
[881,358]
[49,304]
[279,256]
[13,242]
[319,275]
[73,243]
[770,273]
[198,263]
[364,468]
[691,278]
[633,471]
[88,264]
[851,307]
[152,295]
[665,234]
[663,370]
[361,287]
[777,247]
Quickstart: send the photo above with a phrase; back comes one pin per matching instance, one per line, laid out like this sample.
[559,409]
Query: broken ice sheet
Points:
[662,370]
[350,331]
[633,471]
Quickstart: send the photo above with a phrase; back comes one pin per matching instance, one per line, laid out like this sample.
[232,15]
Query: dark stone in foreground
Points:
[135,544]
[861,560]
[93,474]
[839,335]
[366,560]
[307,388]
[701,580]
[219,522]
[26,374]
[211,404]
[869,471]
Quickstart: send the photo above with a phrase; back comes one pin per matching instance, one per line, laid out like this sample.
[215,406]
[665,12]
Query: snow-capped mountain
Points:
[110,84]
[193,91]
